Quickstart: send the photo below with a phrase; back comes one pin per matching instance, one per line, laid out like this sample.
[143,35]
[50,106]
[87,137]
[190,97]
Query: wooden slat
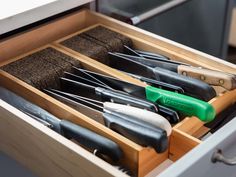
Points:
[94,65]
[45,152]
[180,144]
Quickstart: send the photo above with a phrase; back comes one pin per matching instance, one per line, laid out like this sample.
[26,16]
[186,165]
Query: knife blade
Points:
[103,94]
[187,105]
[169,114]
[212,77]
[136,131]
[83,136]
[151,55]
[158,84]
[192,87]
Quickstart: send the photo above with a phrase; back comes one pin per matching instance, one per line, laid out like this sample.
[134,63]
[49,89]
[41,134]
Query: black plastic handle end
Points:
[140,134]
[91,140]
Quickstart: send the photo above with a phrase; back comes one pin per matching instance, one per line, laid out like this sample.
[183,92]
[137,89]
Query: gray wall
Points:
[200,24]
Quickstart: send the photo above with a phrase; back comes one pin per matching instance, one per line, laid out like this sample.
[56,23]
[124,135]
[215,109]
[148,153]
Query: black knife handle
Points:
[140,134]
[122,98]
[162,85]
[91,140]
[171,115]
[192,87]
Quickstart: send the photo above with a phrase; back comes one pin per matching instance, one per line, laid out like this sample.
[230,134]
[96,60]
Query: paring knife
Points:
[142,134]
[151,55]
[130,52]
[130,111]
[192,87]
[157,84]
[186,105]
[212,77]
[169,114]
[103,146]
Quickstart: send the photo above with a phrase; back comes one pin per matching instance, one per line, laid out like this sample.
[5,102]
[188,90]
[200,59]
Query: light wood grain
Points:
[45,152]
[217,78]
[180,144]
[96,66]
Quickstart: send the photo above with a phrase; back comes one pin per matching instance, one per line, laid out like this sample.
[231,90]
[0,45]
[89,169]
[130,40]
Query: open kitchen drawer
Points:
[49,154]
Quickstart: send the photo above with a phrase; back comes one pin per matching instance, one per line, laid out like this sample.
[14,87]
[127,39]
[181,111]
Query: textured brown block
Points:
[97,42]
[43,68]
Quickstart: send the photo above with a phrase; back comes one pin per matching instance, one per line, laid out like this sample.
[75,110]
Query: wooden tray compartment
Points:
[180,142]
[137,158]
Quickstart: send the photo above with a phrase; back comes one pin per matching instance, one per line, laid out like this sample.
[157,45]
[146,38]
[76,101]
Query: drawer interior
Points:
[141,160]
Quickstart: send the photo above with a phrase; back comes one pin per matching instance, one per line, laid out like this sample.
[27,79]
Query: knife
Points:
[151,55]
[157,84]
[212,77]
[130,111]
[192,87]
[169,114]
[83,136]
[186,105]
[136,131]
[130,52]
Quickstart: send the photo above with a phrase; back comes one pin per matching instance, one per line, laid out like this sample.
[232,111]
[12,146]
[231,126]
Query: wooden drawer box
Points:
[49,154]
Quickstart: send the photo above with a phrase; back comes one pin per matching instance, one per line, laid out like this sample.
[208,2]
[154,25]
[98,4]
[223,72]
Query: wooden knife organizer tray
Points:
[47,153]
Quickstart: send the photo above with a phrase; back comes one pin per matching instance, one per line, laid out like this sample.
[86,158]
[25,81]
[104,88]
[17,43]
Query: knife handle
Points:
[140,114]
[216,78]
[122,98]
[91,140]
[140,134]
[171,115]
[187,105]
[191,86]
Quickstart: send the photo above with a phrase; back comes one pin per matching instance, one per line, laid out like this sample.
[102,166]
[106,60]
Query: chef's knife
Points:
[103,94]
[157,84]
[130,111]
[122,98]
[187,105]
[151,55]
[192,87]
[130,52]
[212,77]
[83,136]
[136,131]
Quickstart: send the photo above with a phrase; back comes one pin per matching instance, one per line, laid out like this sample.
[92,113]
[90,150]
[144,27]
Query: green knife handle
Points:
[185,104]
